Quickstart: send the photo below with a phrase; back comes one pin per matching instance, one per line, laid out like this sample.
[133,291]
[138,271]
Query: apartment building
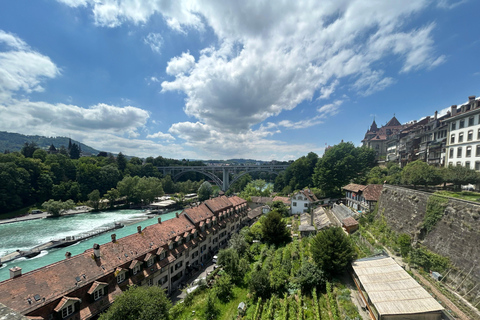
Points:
[164,254]
[463,143]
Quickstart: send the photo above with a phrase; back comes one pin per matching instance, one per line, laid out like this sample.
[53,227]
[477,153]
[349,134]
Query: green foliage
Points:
[434,211]
[404,242]
[429,260]
[340,164]
[459,175]
[205,191]
[274,229]
[139,303]
[420,173]
[256,188]
[94,199]
[259,284]
[281,208]
[316,306]
[347,308]
[223,288]
[332,251]
[309,277]
[238,243]
[298,174]
[332,301]
[55,207]
[211,311]
[233,265]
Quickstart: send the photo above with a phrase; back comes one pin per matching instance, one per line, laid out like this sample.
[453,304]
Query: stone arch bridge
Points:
[234,172]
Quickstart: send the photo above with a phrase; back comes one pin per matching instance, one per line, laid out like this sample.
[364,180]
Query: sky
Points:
[231,79]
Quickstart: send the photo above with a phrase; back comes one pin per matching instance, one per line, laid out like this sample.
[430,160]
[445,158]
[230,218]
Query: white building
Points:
[302,201]
[463,143]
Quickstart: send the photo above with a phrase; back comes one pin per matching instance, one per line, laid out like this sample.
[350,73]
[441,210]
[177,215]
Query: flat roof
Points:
[391,289]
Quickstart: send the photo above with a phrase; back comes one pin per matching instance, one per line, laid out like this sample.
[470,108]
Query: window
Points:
[459,164]
[469,152]
[294,204]
[162,280]
[121,277]
[136,268]
[98,294]
[162,255]
[470,121]
[67,311]
[450,163]
[462,124]
[467,164]
[451,153]
[150,261]
[453,126]
[477,165]
[306,205]
[452,138]
[470,135]
[459,152]
[150,282]
[478,134]
[460,137]
[477,153]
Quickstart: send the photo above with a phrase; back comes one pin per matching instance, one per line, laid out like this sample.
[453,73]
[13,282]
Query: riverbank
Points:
[43,215]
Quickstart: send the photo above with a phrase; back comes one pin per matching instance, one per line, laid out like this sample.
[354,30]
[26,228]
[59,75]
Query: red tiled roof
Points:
[354,187]
[349,222]
[285,200]
[96,285]
[218,204]
[198,213]
[64,301]
[372,192]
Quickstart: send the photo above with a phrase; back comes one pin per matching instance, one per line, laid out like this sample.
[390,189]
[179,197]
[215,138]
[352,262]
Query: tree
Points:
[232,264]
[404,241]
[459,175]
[205,191]
[238,243]
[55,207]
[74,151]
[274,229]
[260,284]
[112,195]
[257,188]
[40,154]
[281,208]
[28,149]
[223,288]
[139,303]
[340,164]
[148,189]
[94,198]
[420,173]
[211,309]
[309,276]
[332,251]
[121,162]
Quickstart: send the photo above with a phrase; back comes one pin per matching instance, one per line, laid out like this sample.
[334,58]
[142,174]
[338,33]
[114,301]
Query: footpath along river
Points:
[28,234]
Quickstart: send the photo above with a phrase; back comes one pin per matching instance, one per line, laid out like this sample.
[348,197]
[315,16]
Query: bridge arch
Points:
[210,175]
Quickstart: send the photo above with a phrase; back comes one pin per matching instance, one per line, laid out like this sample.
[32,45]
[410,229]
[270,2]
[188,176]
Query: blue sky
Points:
[228,79]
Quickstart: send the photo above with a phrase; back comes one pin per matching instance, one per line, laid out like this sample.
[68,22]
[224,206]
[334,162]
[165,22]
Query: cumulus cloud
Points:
[180,65]
[161,136]
[22,68]
[155,41]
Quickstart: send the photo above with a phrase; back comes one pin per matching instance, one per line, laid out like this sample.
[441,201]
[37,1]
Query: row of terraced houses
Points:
[164,254]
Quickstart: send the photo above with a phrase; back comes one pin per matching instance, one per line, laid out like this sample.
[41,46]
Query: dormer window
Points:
[121,277]
[136,269]
[98,294]
[150,261]
[162,255]
[68,310]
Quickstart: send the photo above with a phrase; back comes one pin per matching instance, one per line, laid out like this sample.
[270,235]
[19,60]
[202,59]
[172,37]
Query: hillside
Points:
[15,141]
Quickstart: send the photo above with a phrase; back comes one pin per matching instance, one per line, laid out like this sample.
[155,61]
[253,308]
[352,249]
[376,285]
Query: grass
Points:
[464,195]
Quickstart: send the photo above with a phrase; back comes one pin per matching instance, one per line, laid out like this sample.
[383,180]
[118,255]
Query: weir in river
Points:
[26,235]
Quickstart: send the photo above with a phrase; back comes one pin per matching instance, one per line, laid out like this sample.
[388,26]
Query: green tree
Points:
[459,175]
[139,303]
[112,195]
[259,284]
[257,188]
[127,186]
[74,151]
[94,199]
[28,149]
[148,189]
[309,276]
[420,173]
[55,207]
[332,251]
[274,229]
[40,154]
[224,288]
[340,164]
[205,191]
[238,243]
[168,185]
[121,162]
[211,311]
[281,208]
[230,260]
[404,241]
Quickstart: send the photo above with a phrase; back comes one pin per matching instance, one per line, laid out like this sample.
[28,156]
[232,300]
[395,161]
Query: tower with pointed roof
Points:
[376,138]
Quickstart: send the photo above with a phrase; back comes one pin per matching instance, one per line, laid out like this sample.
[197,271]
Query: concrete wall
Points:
[456,235]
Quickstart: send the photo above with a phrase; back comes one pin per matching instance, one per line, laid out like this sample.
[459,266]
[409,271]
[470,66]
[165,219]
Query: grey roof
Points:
[342,212]
[8,314]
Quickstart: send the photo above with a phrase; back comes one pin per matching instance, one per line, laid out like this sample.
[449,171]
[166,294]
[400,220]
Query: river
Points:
[27,234]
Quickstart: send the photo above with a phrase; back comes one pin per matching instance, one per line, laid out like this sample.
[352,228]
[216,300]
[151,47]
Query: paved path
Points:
[43,215]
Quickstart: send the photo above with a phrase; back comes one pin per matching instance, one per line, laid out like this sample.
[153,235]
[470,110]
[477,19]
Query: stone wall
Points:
[456,235]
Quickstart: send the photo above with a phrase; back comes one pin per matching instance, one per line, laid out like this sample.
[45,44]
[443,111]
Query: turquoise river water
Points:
[28,234]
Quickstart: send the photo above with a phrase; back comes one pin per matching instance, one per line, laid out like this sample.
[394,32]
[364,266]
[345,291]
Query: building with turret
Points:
[376,138]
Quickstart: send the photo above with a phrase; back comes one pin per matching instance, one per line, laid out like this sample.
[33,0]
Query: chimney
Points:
[15,272]
[139,229]
[176,214]
[114,237]
[453,110]
[471,98]
[96,250]
[436,114]
[311,218]
[160,220]
[68,254]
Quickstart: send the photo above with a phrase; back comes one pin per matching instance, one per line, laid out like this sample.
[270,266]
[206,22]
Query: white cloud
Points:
[155,41]
[161,136]
[450,4]
[22,68]
[180,65]
[330,109]
[371,82]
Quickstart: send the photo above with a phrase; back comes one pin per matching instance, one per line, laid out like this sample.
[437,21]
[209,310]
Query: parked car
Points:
[215,259]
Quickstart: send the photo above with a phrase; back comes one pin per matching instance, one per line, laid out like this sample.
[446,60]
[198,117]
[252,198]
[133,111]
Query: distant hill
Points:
[15,141]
